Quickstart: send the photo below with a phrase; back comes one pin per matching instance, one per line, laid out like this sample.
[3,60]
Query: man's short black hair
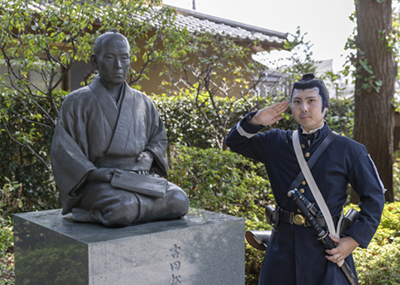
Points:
[308,81]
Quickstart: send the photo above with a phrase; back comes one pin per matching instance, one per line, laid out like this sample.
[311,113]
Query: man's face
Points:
[113,61]
[306,108]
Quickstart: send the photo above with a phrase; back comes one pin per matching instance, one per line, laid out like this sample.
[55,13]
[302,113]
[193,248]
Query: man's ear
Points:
[93,60]
[325,111]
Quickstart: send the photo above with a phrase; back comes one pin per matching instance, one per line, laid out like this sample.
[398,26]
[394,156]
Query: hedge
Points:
[183,122]
[185,125]
[214,179]
[380,262]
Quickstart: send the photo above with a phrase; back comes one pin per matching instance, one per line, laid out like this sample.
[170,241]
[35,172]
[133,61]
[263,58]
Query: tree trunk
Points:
[374,113]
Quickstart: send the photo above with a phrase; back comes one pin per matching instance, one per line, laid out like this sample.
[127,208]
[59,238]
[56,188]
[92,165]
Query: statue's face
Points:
[113,60]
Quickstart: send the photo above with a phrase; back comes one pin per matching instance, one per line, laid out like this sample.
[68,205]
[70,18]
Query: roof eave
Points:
[260,46]
[228,22]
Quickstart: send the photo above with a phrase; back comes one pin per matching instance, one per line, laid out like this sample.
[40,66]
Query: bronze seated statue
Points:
[109,148]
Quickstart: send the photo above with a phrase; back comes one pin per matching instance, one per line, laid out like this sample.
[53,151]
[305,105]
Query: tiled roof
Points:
[195,21]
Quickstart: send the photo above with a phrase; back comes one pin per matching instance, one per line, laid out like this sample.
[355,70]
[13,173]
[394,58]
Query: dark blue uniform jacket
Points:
[294,255]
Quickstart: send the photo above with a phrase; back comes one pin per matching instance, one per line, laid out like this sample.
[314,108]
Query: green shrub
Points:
[380,262]
[19,163]
[396,178]
[220,181]
[254,257]
[7,274]
[225,182]
[11,198]
[185,124]
[340,116]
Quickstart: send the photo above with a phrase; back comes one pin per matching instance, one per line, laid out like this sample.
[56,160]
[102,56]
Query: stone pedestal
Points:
[201,248]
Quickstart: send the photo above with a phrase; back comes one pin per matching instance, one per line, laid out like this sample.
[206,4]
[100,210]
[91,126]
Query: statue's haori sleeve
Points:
[158,147]
[70,165]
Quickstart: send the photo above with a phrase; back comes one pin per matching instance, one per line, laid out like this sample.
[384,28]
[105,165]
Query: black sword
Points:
[322,235]
[311,207]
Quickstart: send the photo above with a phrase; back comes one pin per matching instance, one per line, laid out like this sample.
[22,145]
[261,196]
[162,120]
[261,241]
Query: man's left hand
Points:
[345,246]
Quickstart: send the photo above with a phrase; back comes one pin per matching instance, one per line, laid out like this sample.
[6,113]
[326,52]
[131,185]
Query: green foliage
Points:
[380,262]
[340,116]
[334,81]
[11,198]
[292,67]
[6,250]
[209,67]
[301,57]
[396,179]
[225,182]
[357,63]
[220,181]
[254,257]
[185,125]
[25,138]
[209,64]
[7,274]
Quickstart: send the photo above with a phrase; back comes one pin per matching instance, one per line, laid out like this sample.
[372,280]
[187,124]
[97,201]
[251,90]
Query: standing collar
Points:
[312,131]
[324,131]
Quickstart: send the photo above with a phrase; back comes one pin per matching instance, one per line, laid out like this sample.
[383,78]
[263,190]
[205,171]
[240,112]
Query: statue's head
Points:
[111,58]
[308,81]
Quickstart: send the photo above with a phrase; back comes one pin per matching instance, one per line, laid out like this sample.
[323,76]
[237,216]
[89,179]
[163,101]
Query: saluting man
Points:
[294,255]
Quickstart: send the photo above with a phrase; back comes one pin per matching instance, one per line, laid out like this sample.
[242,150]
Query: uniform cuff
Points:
[247,129]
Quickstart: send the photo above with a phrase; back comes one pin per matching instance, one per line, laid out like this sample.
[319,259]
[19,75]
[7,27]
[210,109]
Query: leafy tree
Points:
[44,40]
[289,69]
[212,66]
[375,75]
[301,57]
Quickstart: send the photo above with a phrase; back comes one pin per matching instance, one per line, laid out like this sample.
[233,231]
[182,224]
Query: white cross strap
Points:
[313,186]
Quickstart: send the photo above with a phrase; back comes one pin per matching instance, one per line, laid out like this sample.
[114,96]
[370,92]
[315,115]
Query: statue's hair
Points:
[100,39]
[308,81]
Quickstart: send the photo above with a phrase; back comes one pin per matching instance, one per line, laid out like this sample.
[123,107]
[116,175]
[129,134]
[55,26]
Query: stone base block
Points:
[201,248]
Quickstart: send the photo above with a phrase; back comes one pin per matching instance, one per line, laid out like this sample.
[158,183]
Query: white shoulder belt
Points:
[313,187]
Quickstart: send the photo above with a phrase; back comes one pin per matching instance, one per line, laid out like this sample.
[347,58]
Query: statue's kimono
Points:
[94,131]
